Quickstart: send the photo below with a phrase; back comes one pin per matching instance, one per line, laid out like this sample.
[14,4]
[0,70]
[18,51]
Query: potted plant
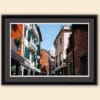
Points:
[17,42]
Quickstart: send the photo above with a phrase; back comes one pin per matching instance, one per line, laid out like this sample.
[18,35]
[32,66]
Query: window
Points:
[35,40]
[38,64]
[61,59]
[29,35]
[26,53]
[38,51]
[33,57]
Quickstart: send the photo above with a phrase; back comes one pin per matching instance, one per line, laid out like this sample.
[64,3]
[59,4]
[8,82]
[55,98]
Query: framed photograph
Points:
[49,49]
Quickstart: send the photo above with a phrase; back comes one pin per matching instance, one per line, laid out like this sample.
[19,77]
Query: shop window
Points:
[25,72]
[15,68]
[31,72]
[83,65]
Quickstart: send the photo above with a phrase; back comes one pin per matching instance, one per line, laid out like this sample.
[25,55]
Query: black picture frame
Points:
[91,80]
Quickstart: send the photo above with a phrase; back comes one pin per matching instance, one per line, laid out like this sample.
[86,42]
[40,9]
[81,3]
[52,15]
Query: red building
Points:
[77,52]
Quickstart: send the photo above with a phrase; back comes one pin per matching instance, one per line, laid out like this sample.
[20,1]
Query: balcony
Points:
[33,66]
[34,31]
[32,46]
[38,57]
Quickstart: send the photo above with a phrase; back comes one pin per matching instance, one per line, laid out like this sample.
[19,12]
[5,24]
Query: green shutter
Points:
[26,53]
[38,64]
[29,35]
[38,51]
[33,58]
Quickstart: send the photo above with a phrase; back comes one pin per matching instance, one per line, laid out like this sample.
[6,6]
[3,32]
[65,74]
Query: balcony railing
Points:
[32,46]
[34,31]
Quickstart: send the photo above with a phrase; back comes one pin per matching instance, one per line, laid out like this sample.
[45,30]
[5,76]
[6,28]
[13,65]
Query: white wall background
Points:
[51,7]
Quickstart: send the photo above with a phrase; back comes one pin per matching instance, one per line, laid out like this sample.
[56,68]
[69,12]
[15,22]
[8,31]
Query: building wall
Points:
[69,62]
[77,57]
[81,48]
[28,48]
[61,48]
[44,61]
[17,33]
[31,45]
[66,37]
[77,51]
[52,65]
[26,45]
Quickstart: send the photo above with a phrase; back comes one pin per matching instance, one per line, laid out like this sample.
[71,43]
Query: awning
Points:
[23,61]
[58,68]
[28,65]
[16,57]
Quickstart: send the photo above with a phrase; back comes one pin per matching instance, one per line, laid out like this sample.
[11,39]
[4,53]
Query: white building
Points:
[31,47]
[28,63]
[61,44]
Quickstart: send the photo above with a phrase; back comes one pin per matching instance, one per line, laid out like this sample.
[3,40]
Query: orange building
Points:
[16,48]
[44,61]
[16,35]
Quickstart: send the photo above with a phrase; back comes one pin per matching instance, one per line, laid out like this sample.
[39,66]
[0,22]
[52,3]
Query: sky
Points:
[49,33]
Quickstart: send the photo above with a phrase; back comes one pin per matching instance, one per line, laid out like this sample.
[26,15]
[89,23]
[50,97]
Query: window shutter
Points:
[26,53]
[33,58]
[29,35]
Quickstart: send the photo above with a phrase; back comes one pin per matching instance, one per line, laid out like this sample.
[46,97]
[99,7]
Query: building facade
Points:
[52,64]
[77,52]
[70,56]
[16,49]
[25,44]
[61,43]
[44,61]
[47,63]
